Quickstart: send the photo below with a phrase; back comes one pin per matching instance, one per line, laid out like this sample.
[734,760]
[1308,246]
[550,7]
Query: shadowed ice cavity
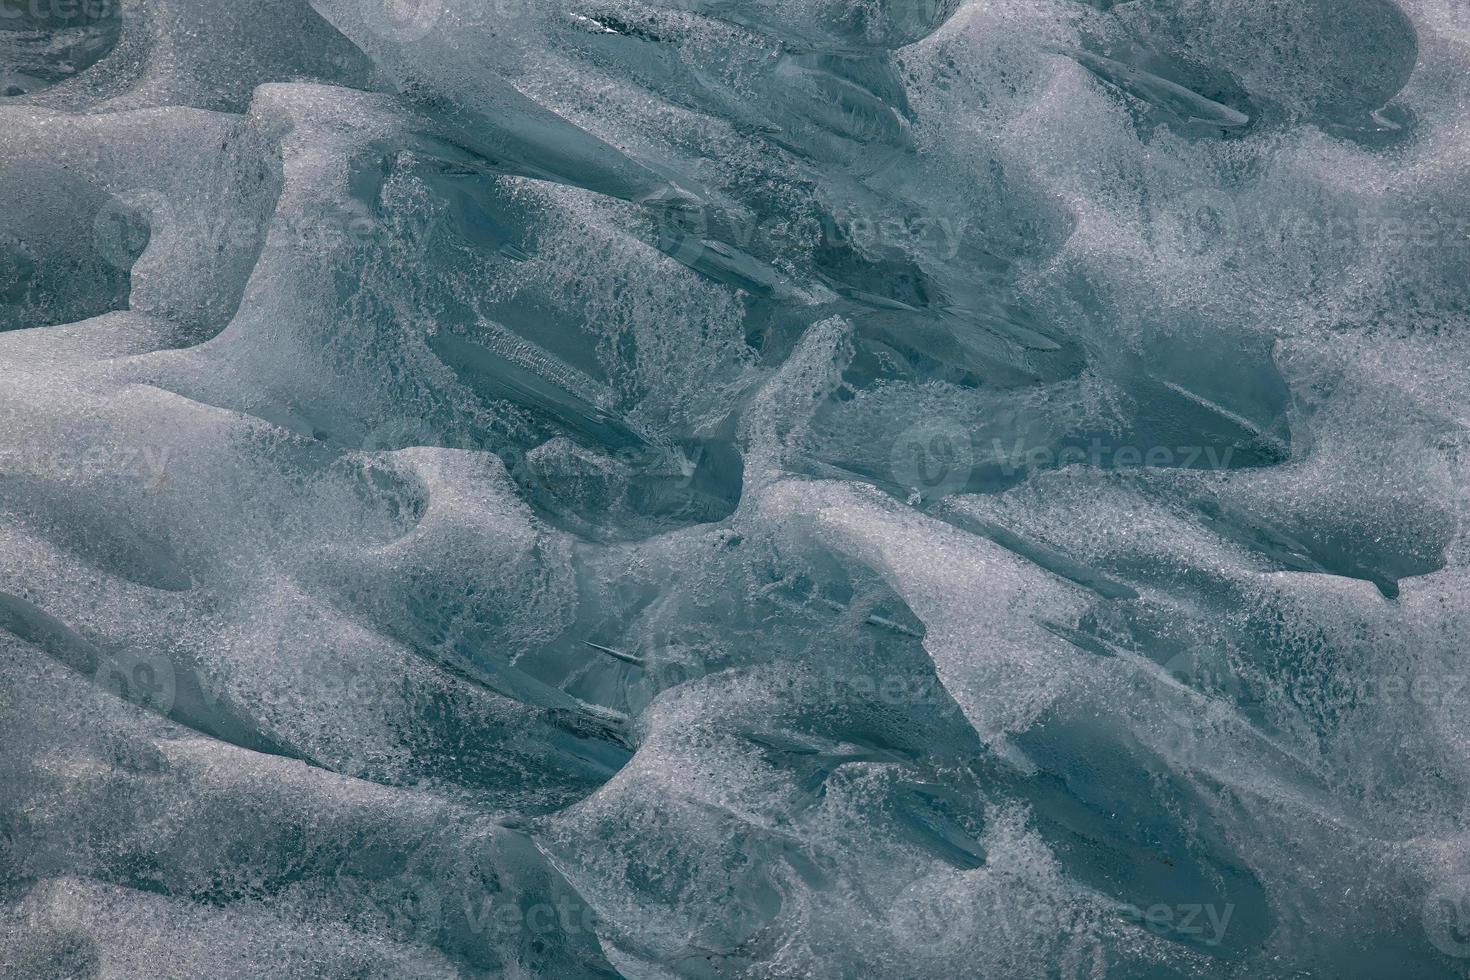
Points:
[171,234]
[1115,815]
[420,657]
[814,108]
[846,718]
[1113,840]
[838,122]
[926,312]
[53,267]
[1203,68]
[143,806]
[42,44]
[1204,400]
[504,374]
[123,54]
[685,622]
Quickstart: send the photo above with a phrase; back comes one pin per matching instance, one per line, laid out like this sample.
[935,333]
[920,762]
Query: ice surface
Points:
[734,488]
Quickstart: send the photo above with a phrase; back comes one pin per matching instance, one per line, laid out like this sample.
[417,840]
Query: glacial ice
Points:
[734,488]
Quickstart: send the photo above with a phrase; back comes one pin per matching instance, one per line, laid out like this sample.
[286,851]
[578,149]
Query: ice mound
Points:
[734,488]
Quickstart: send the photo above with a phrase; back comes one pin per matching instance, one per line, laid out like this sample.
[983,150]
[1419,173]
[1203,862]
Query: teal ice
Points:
[759,489]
